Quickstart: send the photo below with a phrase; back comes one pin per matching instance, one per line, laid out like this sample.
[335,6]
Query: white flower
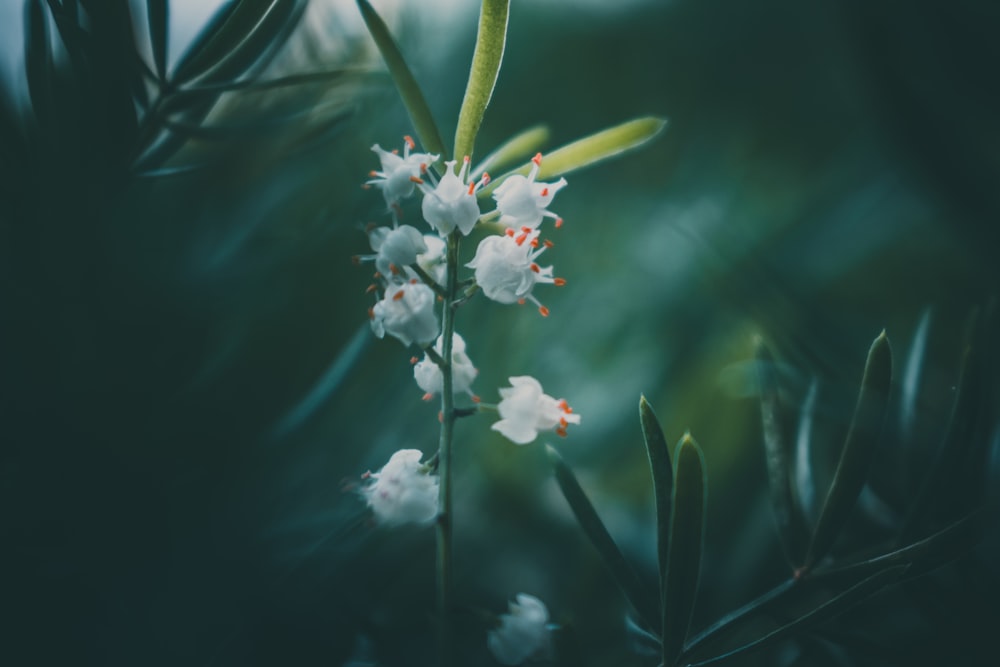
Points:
[451,203]
[525,410]
[403,491]
[523,633]
[428,374]
[406,312]
[524,203]
[506,270]
[399,175]
[433,260]
[395,248]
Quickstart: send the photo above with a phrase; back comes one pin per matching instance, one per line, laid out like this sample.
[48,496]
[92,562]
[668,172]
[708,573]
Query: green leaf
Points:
[516,148]
[486,61]
[635,592]
[687,527]
[157,12]
[858,452]
[778,454]
[413,98]
[38,60]
[820,614]
[663,484]
[592,149]
[190,95]
[229,26]
[805,477]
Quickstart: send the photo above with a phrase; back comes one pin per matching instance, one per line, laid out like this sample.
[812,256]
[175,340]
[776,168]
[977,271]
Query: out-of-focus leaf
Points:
[635,592]
[185,97]
[859,448]
[687,527]
[413,97]
[824,612]
[241,131]
[157,12]
[230,25]
[778,454]
[911,374]
[590,150]
[516,148]
[486,59]
[805,479]
[38,59]
[663,483]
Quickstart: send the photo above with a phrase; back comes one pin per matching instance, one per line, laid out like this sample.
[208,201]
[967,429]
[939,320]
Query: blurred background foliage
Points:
[189,389]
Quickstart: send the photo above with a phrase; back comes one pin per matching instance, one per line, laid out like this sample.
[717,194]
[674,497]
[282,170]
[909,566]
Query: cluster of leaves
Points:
[819,586]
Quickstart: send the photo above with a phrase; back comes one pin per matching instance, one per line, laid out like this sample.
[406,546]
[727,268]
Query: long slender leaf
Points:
[486,59]
[591,149]
[824,612]
[230,25]
[413,97]
[635,592]
[663,484]
[805,478]
[518,147]
[158,17]
[858,452]
[687,527]
[183,98]
[779,456]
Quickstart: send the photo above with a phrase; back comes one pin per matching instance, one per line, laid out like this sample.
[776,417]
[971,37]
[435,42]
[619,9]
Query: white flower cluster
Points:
[523,633]
[403,491]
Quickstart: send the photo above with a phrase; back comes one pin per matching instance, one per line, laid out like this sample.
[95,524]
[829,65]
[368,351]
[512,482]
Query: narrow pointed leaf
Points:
[516,148]
[822,613]
[858,451]
[592,149]
[413,97]
[38,59]
[486,61]
[635,592]
[157,13]
[805,477]
[230,25]
[684,555]
[778,454]
[663,483]
[180,99]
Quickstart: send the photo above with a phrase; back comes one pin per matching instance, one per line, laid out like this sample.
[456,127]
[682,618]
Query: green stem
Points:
[444,569]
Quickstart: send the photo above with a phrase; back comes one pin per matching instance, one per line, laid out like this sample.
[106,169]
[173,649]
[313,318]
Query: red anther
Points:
[371,288]
[440,298]
[472,188]
[563,422]
[426,397]
[521,239]
[413,281]
[466,159]
[395,151]
[486,178]
[526,229]
[409,141]
[520,302]
[413,360]
[545,192]
[559,282]
[356,259]
[417,180]
[393,269]
[537,159]
[535,268]
[561,432]
[423,167]
[562,404]
[476,399]
[371,313]
[373,173]
[509,232]
[544,311]
[376,275]
[559,223]
[534,242]
[398,295]
[548,243]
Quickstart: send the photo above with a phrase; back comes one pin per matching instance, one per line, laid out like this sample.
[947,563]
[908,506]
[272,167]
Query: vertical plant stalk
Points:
[444,524]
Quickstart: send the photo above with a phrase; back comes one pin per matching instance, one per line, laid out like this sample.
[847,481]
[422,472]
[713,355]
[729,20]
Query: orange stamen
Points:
[559,282]
[545,192]
[544,311]
[537,159]
[521,239]
[409,141]
[534,242]
[356,259]
[371,288]
[548,243]
[373,173]
[559,223]
[535,268]
[561,432]
[472,188]
[371,313]
[398,295]
[413,360]
[509,232]
[393,269]
[428,396]
[476,399]
[417,180]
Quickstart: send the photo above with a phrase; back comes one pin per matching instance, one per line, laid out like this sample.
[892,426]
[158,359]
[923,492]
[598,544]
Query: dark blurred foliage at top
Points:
[186,380]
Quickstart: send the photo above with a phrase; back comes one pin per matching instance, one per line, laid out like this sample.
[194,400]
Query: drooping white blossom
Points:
[524,203]
[399,175]
[525,410]
[429,377]
[395,248]
[451,203]
[403,491]
[406,311]
[523,632]
[506,269]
